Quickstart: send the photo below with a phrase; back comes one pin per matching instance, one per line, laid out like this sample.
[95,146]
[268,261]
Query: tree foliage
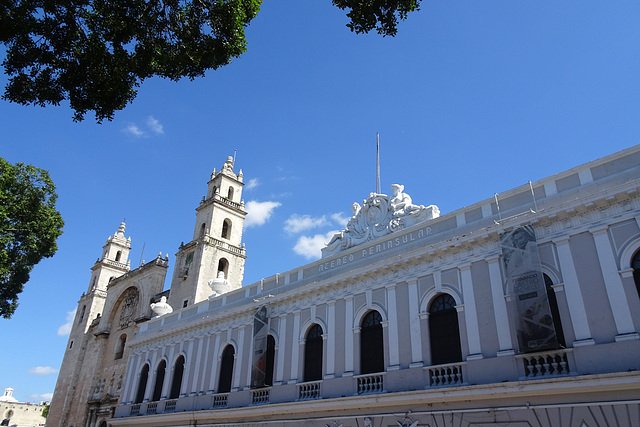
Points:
[95,53]
[383,15]
[29,227]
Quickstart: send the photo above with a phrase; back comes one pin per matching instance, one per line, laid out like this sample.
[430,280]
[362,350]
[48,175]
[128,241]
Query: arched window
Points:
[118,255]
[120,346]
[176,382]
[223,265]
[371,344]
[313,354]
[226,369]
[271,353]
[230,194]
[84,307]
[157,387]
[202,229]
[226,228]
[555,313]
[635,264]
[142,384]
[444,331]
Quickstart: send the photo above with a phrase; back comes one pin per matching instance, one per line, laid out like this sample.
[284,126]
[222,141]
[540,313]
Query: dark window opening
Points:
[176,382]
[118,255]
[120,346]
[82,313]
[444,331]
[635,264]
[202,230]
[226,229]
[157,387]
[230,194]
[226,370]
[271,352]
[313,354]
[555,312]
[223,265]
[371,344]
[142,384]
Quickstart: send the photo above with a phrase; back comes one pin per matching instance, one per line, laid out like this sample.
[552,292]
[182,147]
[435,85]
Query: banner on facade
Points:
[259,357]
[525,283]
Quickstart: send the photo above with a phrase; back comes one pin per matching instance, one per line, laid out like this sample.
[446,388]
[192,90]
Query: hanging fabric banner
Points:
[259,357]
[525,283]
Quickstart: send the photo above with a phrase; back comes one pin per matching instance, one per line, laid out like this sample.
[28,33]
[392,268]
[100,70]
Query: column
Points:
[282,331]
[577,310]
[250,361]
[414,324]
[470,313]
[237,363]
[613,284]
[214,363]
[394,356]
[195,362]
[148,393]
[133,371]
[168,374]
[331,339]
[206,344]
[295,348]
[500,307]
[348,337]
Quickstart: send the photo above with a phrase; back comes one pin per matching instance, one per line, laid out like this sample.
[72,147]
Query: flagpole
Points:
[377,163]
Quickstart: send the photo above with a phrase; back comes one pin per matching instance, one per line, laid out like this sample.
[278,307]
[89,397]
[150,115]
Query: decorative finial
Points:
[122,227]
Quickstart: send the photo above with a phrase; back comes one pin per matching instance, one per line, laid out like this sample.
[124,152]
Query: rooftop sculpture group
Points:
[377,216]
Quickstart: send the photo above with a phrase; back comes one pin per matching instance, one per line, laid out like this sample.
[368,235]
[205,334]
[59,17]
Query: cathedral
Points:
[519,310]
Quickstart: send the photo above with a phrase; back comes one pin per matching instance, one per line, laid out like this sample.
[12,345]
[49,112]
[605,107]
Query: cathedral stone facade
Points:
[520,310]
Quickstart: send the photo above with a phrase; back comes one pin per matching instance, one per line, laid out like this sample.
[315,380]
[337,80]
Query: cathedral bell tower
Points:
[213,262]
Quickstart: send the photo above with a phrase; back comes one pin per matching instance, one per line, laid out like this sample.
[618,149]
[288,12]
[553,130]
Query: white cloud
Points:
[66,328]
[154,125]
[253,183]
[133,130]
[41,397]
[340,219]
[311,247]
[42,370]
[259,212]
[297,223]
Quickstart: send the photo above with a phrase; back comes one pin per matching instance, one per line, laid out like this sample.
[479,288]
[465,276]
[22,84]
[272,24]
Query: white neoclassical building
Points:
[520,310]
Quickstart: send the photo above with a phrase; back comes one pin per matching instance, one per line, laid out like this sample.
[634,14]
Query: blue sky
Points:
[471,98]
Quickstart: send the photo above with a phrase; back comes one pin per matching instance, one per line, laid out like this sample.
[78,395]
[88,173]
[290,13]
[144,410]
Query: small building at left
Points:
[20,414]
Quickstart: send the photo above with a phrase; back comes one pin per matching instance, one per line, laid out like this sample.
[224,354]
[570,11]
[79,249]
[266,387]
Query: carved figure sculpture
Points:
[379,215]
[401,202]
[161,308]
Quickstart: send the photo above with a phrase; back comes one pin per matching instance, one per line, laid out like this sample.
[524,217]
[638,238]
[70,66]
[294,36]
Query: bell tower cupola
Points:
[213,261]
[114,261]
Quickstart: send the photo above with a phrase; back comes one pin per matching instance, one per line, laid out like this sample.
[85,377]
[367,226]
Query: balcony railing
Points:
[309,390]
[220,400]
[370,383]
[446,375]
[170,405]
[152,408]
[135,409]
[547,364]
[260,396]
